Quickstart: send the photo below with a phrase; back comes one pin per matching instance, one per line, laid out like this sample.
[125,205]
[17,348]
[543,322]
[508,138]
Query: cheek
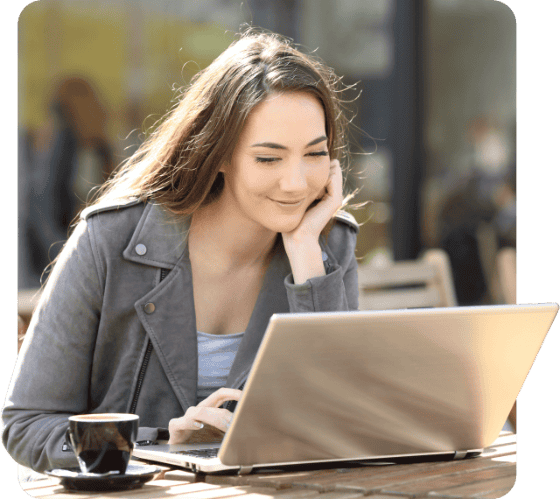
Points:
[256,182]
[319,177]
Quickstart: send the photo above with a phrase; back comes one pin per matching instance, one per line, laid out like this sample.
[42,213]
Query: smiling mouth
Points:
[288,203]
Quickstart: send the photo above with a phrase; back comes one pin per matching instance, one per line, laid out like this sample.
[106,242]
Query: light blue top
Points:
[215,357]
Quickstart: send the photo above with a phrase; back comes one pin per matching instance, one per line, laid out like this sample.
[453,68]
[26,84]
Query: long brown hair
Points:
[178,165]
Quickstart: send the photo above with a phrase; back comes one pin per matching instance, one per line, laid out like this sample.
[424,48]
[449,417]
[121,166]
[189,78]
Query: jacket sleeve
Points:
[338,289]
[52,377]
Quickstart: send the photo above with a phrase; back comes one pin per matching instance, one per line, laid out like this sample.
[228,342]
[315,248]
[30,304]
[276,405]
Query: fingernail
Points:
[198,425]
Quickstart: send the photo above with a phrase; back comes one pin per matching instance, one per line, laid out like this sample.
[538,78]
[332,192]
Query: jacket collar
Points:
[159,239]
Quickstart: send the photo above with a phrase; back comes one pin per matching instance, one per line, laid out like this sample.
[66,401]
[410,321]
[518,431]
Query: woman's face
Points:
[281,163]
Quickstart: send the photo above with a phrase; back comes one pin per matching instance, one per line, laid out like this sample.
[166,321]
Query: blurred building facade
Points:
[436,107]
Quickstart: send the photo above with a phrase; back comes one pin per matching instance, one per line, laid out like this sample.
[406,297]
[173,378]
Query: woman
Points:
[159,300]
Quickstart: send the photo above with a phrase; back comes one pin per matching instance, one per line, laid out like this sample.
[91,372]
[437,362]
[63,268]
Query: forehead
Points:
[288,117]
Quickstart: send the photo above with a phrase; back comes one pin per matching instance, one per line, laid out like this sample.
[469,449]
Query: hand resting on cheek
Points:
[322,210]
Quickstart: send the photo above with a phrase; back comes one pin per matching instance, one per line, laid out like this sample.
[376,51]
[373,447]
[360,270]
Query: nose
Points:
[294,178]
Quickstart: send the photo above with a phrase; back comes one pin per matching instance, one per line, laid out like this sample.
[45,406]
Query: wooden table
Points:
[490,475]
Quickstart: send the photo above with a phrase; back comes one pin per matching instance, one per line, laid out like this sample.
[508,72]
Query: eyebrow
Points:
[273,145]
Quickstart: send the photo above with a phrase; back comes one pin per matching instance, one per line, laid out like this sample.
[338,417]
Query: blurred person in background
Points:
[478,216]
[228,213]
[59,165]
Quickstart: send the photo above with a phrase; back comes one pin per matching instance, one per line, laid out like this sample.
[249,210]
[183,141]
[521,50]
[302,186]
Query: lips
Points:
[288,203]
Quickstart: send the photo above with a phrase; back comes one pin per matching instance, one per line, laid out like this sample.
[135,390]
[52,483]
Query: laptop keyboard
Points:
[203,453]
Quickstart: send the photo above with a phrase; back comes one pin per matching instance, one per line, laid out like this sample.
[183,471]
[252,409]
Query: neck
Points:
[228,240]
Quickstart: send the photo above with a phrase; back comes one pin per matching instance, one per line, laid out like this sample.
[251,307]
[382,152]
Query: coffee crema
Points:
[109,417]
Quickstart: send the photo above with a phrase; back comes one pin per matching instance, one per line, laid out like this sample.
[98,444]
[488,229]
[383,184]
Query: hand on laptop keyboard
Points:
[208,434]
[207,414]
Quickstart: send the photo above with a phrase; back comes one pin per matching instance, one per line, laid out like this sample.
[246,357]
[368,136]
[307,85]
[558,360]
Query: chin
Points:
[287,225]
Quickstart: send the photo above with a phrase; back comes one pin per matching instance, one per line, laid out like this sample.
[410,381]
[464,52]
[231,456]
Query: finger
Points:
[213,416]
[186,423]
[334,190]
[180,429]
[335,168]
[335,178]
[220,396]
[334,186]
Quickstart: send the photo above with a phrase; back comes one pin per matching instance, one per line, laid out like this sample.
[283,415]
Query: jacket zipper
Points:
[145,361]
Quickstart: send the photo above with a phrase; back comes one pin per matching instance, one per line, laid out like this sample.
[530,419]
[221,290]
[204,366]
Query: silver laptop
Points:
[376,385]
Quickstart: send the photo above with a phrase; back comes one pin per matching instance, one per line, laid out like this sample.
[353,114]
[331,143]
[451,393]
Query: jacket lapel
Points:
[169,320]
[159,239]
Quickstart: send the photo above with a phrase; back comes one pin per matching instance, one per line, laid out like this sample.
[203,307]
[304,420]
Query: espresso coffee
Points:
[103,442]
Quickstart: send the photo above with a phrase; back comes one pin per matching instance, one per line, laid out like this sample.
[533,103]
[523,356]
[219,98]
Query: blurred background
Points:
[435,104]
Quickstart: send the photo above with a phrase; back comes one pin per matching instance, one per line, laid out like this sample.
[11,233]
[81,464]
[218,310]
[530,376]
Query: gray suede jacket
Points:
[115,328]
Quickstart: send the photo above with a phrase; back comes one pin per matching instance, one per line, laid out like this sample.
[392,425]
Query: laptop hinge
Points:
[245,470]
[460,454]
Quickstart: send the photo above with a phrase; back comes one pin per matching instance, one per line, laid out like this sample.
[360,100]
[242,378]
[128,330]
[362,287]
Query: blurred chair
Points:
[487,240]
[506,262]
[27,301]
[425,282]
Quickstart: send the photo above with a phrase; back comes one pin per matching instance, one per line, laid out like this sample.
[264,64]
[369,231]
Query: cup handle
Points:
[67,445]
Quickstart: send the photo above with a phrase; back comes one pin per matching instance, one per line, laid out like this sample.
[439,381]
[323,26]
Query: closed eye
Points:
[262,159]
[266,160]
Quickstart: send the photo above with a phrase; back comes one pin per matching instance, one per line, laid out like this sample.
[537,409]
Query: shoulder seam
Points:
[114,205]
[347,218]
